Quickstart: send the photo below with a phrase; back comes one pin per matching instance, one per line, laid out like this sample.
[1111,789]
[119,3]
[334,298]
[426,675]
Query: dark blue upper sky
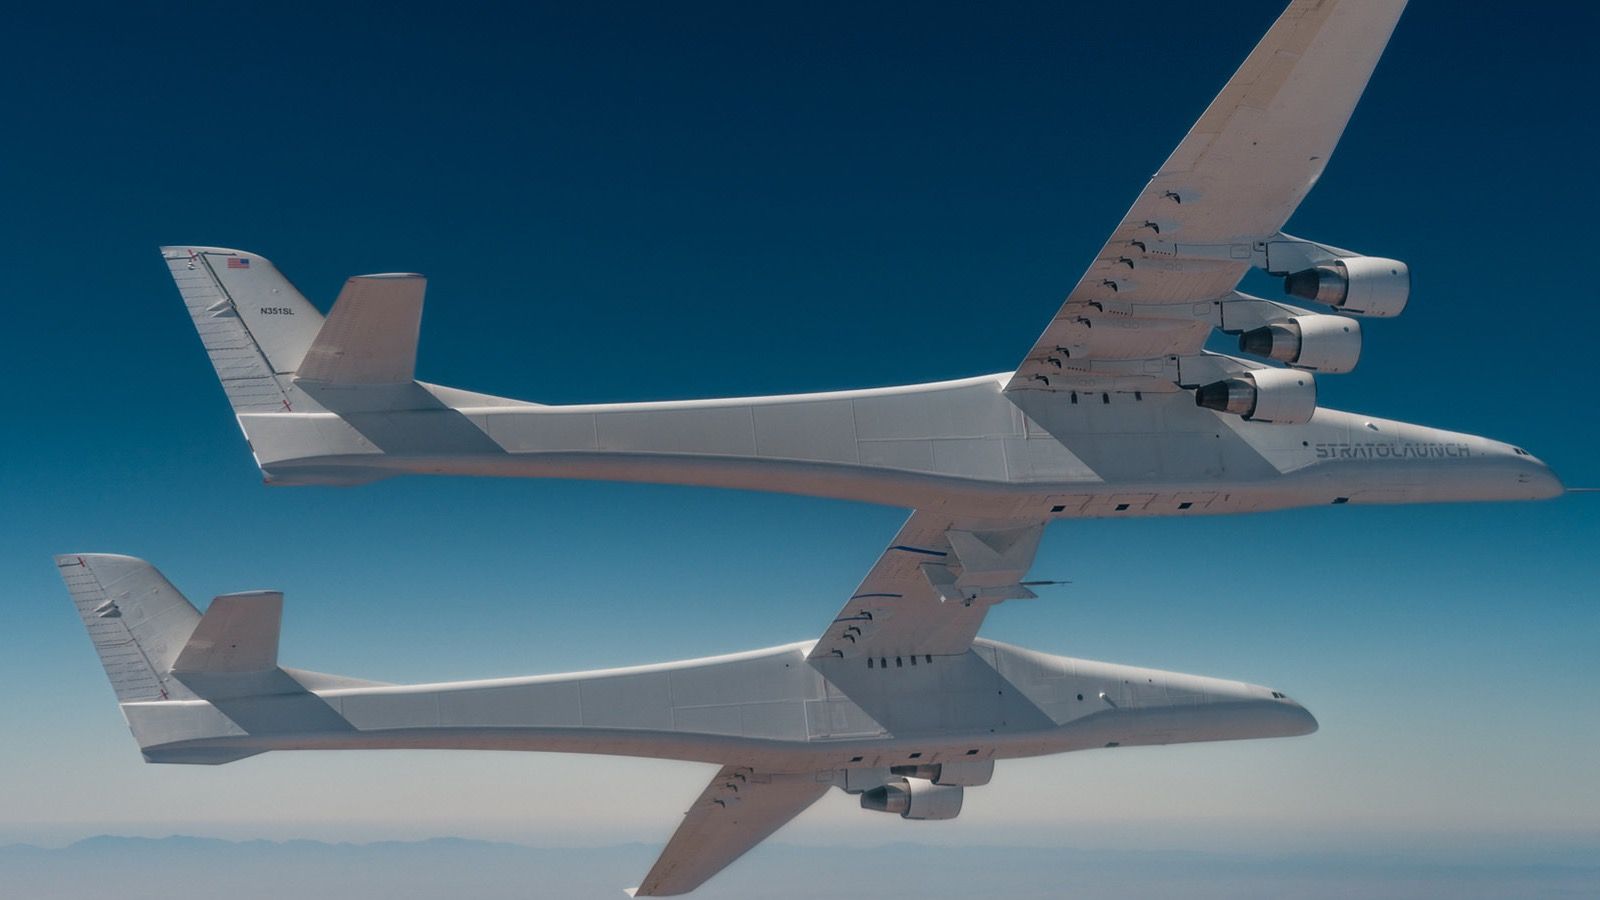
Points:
[640,201]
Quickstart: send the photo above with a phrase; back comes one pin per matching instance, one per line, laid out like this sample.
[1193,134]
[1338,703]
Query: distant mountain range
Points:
[178,868]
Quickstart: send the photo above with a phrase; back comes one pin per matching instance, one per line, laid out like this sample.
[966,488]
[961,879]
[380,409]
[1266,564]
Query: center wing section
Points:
[739,809]
[928,593]
[1152,296]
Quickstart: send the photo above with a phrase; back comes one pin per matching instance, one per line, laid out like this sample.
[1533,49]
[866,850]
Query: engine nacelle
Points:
[914,799]
[967,773]
[1316,342]
[1360,285]
[1283,396]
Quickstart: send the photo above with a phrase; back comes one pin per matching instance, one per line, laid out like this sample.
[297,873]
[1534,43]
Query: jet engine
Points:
[1317,342]
[1283,396]
[914,799]
[1361,285]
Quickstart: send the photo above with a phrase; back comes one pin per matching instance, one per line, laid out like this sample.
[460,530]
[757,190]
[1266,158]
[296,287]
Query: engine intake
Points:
[1361,285]
[1282,396]
[914,799]
[1316,342]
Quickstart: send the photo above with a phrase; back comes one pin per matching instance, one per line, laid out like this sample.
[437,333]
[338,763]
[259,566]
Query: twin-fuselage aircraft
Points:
[1117,410]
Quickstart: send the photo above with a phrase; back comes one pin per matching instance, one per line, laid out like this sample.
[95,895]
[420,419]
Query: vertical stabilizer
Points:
[138,621]
[255,325]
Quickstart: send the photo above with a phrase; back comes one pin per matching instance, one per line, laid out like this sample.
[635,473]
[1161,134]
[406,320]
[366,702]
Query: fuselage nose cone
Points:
[1303,720]
[1539,479]
[1547,485]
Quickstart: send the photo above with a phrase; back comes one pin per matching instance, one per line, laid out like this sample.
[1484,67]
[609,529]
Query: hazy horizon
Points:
[448,868]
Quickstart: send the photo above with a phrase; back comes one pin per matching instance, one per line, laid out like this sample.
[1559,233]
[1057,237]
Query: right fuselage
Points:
[769,709]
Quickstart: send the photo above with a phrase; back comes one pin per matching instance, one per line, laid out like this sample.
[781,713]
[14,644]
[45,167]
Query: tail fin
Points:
[255,325]
[138,621]
[155,646]
[278,359]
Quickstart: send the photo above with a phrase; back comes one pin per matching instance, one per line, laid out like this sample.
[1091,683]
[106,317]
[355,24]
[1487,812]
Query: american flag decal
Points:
[235,262]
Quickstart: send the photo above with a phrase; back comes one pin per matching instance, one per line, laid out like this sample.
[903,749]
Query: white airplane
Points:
[1118,410]
[904,711]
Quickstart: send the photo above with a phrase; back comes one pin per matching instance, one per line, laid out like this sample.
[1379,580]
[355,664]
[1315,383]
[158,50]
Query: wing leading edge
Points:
[927,594]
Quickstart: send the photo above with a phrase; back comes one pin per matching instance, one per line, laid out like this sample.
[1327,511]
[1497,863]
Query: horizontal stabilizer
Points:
[370,336]
[237,633]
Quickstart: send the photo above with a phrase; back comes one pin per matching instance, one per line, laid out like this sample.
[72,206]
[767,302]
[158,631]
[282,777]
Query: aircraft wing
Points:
[930,589]
[1146,305]
[739,809]
[927,594]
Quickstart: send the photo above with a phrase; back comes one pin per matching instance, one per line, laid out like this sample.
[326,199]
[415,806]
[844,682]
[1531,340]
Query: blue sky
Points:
[647,201]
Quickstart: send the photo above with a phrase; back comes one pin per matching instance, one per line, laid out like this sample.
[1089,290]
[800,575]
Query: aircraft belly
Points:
[818,431]
[837,719]
[1109,727]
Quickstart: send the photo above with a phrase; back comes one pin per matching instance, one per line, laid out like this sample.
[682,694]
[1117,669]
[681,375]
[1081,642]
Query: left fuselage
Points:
[770,709]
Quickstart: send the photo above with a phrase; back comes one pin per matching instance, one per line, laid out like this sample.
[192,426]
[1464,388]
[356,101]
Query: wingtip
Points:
[631,892]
